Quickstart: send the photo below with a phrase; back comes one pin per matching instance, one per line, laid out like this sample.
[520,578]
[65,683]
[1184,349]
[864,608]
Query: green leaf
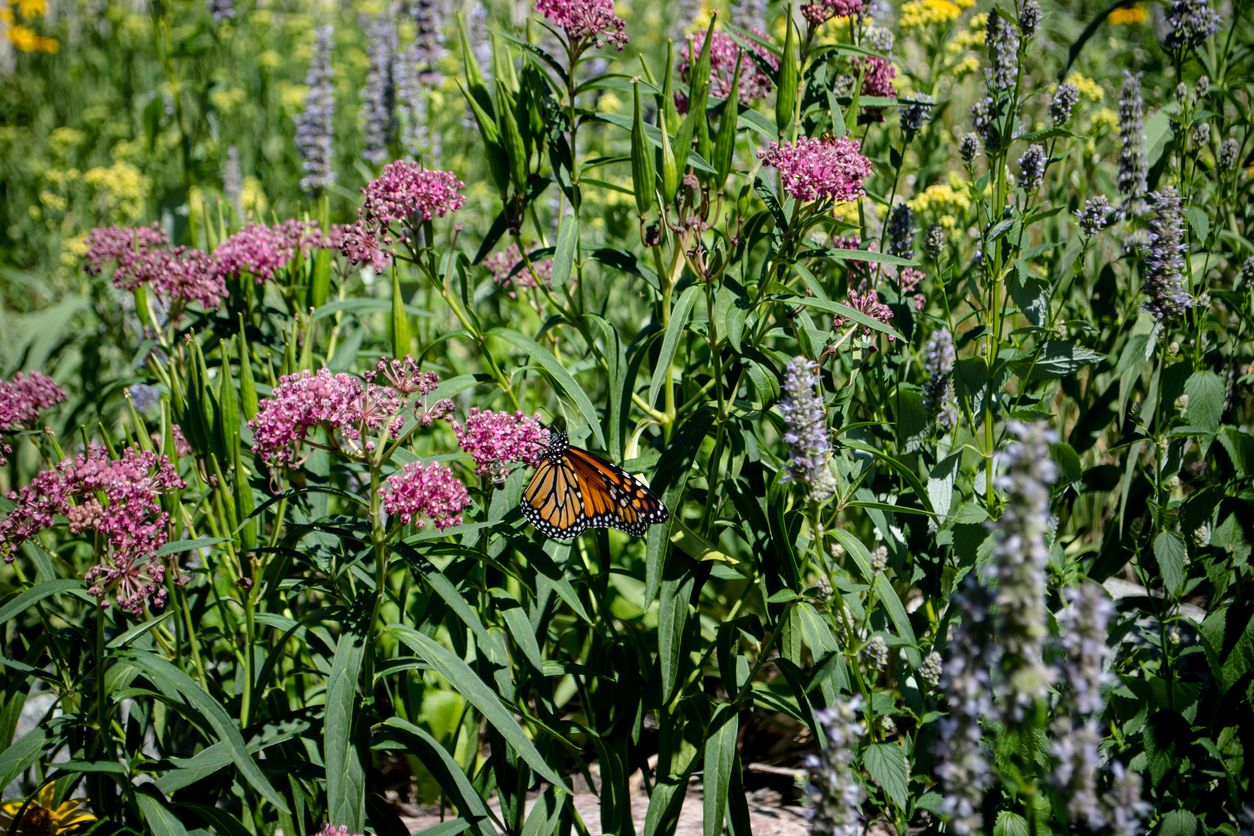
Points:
[720,763]
[446,771]
[670,343]
[172,682]
[180,546]
[25,600]
[886,763]
[160,819]
[402,343]
[557,374]
[470,686]
[672,619]
[845,312]
[421,568]
[546,814]
[1169,550]
[1178,823]
[447,828]
[1068,461]
[897,614]
[940,483]
[25,751]
[564,255]
[1206,391]
[220,820]
[346,774]
[1010,824]
[1056,359]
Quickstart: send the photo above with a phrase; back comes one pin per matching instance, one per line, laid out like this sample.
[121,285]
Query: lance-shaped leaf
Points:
[511,138]
[498,163]
[401,341]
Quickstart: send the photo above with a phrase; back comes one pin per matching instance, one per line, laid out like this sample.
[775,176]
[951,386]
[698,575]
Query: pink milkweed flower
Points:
[425,490]
[586,19]
[868,303]
[120,500]
[22,399]
[179,276]
[501,437]
[819,13]
[724,50]
[509,271]
[404,194]
[818,169]
[262,251]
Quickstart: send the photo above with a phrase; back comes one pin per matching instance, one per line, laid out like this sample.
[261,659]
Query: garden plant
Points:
[453,405]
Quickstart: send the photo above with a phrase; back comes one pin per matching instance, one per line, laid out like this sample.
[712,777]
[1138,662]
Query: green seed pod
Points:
[474,76]
[698,96]
[725,145]
[789,78]
[670,170]
[643,173]
[668,116]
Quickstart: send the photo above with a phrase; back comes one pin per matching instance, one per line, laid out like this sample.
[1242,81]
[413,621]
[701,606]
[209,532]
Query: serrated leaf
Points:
[886,763]
[1206,391]
[1170,551]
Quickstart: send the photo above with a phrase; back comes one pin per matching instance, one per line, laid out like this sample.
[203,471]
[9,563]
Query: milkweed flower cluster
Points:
[315,126]
[425,490]
[724,52]
[1020,558]
[582,20]
[806,433]
[866,302]
[179,275]
[262,251]
[509,271]
[877,80]
[22,399]
[378,97]
[331,830]
[1190,23]
[817,169]
[405,194]
[489,437]
[1133,158]
[118,499]
[818,13]
[1163,284]
[834,791]
[341,404]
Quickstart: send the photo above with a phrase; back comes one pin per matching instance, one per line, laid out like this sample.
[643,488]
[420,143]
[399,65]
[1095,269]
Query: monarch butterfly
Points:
[573,490]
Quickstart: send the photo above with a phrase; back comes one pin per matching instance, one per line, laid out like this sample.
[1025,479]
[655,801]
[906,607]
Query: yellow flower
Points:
[917,14]
[226,100]
[63,139]
[1089,88]
[1104,120]
[966,67]
[27,41]
[944,201]
[1132,14]
[121,187]
[252,196]
[32,8]
[270,59]
[41,819]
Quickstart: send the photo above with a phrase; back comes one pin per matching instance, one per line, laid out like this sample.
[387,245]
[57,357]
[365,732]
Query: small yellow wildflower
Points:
[41,818]
[1089,88]
[1104,121]
[62,139]
[966,67]
[962,41]
[32,8]
[1131,14]
[121,187]
[917,14]
[292,96]
[942,201]
[227,100]
[270,59]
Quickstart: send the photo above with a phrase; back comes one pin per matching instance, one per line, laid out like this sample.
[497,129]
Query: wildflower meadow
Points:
[581,418]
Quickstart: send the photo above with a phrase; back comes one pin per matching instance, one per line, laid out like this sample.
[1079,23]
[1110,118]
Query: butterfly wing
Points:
[569,494]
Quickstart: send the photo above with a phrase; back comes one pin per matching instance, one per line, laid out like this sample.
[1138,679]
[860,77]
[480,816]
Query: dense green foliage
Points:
[317,642]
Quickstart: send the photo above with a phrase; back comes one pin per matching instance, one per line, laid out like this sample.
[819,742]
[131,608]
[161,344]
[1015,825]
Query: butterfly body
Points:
[573,490]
